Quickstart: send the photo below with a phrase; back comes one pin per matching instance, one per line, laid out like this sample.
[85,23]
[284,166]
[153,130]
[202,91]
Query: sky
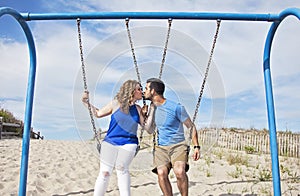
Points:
[234,95]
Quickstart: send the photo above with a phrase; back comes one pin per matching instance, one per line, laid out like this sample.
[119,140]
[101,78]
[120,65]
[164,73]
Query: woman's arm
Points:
[99,113]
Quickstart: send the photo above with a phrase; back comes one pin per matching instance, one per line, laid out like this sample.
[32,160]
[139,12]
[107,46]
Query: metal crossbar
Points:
[153,15]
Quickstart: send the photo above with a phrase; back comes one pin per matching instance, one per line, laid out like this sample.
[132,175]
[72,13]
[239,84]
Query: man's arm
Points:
[190,125]
[149,123]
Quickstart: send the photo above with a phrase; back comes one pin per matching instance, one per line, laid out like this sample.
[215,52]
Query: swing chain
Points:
[132,50]
[207,69]
[136,68]
[136,65]
[204,81]
[85,82]
[165,48]
[164,52]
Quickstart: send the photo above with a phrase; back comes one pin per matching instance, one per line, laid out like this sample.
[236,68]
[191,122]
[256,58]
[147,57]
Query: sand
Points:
[61,168]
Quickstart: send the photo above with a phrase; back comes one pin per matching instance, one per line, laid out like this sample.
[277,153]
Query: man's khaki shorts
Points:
[168,155]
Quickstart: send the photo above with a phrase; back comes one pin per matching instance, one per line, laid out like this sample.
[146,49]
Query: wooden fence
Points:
[11,134]
[8,134]
[253,140]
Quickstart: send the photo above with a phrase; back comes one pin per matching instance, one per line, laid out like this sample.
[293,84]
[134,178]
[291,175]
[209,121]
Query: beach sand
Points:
[61,168]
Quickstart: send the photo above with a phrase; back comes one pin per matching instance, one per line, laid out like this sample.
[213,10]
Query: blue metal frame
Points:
[269,96]
[275,18]
[152,15]
[29,97]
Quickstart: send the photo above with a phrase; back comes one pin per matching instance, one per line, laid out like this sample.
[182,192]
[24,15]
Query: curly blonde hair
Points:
[125,94]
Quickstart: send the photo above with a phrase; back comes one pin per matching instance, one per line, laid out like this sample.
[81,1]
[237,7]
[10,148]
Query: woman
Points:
[120,143]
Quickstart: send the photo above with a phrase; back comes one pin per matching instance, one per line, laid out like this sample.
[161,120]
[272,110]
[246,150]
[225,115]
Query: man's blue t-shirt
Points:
[123,127]
[169,118]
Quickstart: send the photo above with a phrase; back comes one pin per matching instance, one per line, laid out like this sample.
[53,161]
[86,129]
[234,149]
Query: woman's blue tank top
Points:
[123,127]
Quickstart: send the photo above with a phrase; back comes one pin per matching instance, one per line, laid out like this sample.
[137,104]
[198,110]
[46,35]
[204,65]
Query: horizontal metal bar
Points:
[152,15]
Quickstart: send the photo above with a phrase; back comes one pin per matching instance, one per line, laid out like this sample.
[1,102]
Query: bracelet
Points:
[197,147]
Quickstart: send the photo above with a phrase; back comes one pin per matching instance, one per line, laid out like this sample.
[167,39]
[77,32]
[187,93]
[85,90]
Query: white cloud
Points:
[14,70]
[237,66]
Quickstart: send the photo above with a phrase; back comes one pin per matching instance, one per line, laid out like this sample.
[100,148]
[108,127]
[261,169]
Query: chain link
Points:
[136,64]
[165,49]
[132,51]
[85,83]
[206,73]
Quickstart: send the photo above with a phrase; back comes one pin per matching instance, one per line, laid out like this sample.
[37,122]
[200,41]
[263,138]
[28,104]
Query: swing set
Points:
[83,68]
[276,19]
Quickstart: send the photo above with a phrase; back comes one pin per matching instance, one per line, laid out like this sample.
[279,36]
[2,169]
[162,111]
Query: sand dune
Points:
[64,168]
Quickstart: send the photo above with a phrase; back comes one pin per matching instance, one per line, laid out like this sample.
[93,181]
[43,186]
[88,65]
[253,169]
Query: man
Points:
[171,150]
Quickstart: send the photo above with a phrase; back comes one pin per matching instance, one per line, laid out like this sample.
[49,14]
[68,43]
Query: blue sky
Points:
[234,95]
